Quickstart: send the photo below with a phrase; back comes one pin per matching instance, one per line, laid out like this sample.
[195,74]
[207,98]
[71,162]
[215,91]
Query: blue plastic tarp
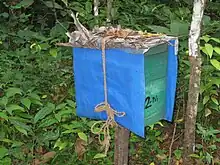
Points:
[125,82]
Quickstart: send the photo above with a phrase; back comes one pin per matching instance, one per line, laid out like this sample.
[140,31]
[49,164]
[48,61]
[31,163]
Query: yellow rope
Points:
[105,106]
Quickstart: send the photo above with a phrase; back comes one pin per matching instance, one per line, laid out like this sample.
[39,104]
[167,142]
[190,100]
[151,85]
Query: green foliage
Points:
[206,153]
[210,82]
[37,107]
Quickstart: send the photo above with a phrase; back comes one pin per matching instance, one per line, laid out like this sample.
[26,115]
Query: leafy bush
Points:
[37,107]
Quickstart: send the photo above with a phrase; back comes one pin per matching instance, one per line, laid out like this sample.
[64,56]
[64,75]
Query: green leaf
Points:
[179,28]
[194,155]
[44,112]
[18,153]
[213,147]
[50,5]
[50,135]
[61,106]
[76,124]
[6,140]
[26,102]
[65,2]
[25,116]
[71,103]
[5,15]
[207,112]
[216,40]
[60,144]
[20,124]
[3,152]
[73,125]
[5,161]
[26,3]
[159,123]
[12,107]
[53,52]
[20,119]
[28,34]
[13,91]
[209,157]
[90,123]
[44,46]
[214,131]
[59,115]
[69,131]
[216,81]
[205,38]
[23,3]
[48,122]
[214,106]
[157,133]
[21,130]
[36,102]
[14,142]
[82,136]
[206,20]
[34,96]
[159,29]
[203,50]
[3,116]
[215,100]
[217,50]
[205,100]
[44,96]
[88,7]
[4,101]
[17,144]
[215,63]
[199,146]
[98,156]
[209,49]
[214,92]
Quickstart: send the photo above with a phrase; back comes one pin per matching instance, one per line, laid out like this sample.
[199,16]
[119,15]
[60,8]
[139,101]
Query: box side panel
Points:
[125,80]
[155,85]
[172,71]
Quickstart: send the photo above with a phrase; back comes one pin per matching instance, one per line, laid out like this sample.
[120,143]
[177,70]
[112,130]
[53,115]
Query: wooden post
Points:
[121,146]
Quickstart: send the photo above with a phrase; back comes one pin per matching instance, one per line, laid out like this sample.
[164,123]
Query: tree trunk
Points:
[96,8]
[194,83]
[109,11]
[96,11]
[191,111]
[121,146]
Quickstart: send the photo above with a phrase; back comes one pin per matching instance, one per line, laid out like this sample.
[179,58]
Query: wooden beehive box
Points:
[141,76]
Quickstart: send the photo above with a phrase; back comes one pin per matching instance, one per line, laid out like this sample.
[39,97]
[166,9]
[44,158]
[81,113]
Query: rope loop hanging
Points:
[105,106]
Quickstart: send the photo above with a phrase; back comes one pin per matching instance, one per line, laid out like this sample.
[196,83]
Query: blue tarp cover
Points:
[125,82]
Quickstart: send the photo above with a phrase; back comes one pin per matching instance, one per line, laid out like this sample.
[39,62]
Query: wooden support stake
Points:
[121,146]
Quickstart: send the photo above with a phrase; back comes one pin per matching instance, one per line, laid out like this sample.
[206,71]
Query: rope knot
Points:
[110,122]
[111,113]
